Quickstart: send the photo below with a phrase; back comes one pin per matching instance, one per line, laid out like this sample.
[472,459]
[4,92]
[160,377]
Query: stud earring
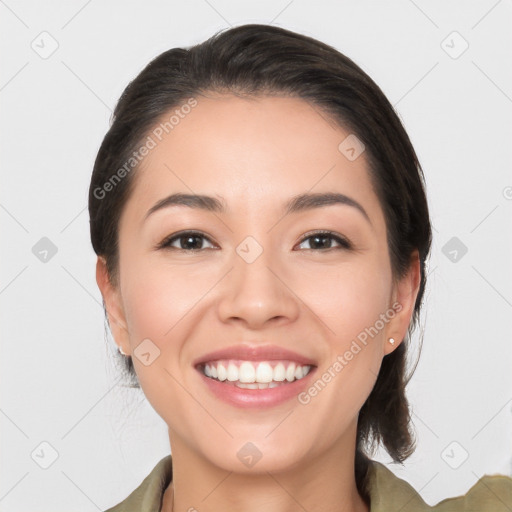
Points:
[392,341]
[121,351]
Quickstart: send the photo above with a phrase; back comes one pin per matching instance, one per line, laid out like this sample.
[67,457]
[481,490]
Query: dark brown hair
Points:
[252,60]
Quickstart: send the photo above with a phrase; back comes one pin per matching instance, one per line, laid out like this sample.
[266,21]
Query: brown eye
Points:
[186,241]
[325,240]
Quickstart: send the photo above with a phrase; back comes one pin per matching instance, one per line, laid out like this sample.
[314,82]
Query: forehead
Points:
[256,151]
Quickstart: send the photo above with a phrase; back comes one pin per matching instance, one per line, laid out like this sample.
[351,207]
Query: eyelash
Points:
[342,241]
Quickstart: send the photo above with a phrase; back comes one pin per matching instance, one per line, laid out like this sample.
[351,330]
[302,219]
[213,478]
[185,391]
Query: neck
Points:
[323,483]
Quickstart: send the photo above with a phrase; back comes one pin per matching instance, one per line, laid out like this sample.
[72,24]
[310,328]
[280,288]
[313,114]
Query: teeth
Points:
[279,372]
[290,372]
[245,385]
[256,385]
[222,373]
[249,375]
[264,373]
[232,372]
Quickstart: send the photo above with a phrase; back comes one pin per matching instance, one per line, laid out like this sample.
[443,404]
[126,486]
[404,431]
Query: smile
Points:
[254,374]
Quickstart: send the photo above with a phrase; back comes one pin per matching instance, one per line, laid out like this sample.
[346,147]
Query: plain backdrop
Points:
[445,66]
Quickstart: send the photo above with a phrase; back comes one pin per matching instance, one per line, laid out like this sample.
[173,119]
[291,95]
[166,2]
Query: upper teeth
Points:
[248,372]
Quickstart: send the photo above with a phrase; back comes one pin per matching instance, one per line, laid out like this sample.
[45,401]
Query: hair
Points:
[262,60]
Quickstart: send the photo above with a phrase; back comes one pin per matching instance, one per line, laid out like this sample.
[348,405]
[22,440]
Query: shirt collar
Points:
[384,488]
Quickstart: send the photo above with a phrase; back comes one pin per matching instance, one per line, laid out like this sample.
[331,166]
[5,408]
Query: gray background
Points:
[58,383]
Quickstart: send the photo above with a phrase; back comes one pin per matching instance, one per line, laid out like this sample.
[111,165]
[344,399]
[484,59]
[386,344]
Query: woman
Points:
[262,231]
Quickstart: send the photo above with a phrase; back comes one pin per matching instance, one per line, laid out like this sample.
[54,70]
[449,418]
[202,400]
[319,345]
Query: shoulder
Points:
[147,497]
[489,494]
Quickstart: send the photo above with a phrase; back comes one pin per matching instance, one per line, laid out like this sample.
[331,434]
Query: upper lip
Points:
[255,353]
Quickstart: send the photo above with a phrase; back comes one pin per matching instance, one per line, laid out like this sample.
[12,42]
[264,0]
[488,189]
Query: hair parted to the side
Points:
[255,60]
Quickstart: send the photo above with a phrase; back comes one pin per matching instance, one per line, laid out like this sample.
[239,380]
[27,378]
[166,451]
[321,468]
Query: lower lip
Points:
[256,398]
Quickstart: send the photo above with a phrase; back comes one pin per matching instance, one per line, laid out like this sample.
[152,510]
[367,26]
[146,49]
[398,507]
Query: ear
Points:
[114,306]
[403,300]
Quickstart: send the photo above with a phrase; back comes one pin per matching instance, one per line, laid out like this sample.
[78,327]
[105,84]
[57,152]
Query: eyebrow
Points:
[208,203]
[304,202]
[299,203]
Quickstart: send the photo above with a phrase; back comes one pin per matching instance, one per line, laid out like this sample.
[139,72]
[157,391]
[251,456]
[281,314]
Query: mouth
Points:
[257,377]
[254,374]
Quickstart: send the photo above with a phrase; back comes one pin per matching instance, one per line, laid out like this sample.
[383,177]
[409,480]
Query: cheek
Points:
[348,298]
[159,304]
[158,297]
[352,302]
[163,303]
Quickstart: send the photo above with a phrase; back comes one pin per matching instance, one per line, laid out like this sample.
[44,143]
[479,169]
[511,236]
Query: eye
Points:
[324,240]
[186,241]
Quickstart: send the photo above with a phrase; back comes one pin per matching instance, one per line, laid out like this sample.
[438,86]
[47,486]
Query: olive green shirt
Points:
[388,493]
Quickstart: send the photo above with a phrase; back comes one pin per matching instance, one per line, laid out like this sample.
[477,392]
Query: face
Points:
[278,285]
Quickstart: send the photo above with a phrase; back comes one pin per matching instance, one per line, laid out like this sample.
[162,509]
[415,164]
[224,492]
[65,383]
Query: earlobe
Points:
[113,305]
[405,294]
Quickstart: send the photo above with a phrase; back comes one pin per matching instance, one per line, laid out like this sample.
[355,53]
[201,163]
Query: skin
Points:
[256,154]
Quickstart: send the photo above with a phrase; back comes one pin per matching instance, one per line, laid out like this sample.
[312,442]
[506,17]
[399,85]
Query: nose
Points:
[256,294]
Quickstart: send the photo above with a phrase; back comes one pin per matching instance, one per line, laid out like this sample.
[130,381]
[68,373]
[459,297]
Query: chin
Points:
[256,455]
